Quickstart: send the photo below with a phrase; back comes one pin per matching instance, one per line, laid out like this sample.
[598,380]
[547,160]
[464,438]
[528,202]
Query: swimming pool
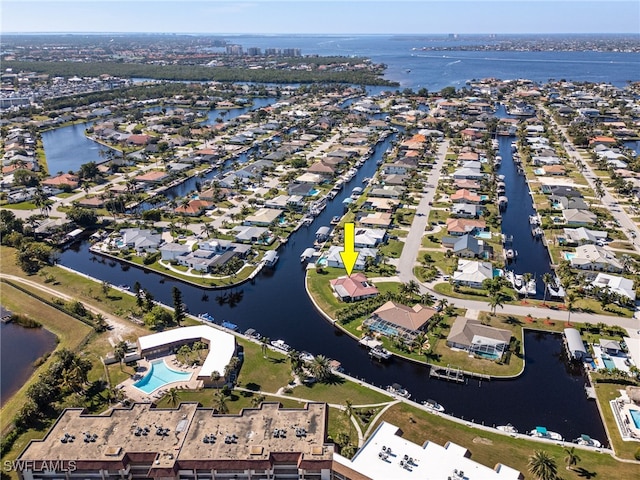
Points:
[314,192]
[608,363]
[568,255]
[483,235]
[160,375]
[635,416]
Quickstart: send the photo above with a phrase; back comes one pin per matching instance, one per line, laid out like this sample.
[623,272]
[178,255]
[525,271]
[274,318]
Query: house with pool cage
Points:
[396,320]
[481,340]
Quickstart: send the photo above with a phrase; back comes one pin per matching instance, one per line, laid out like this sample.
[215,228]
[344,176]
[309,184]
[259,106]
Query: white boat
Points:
[433,405]
[587,441]
[280,345]
[398,389]
[380,353]
[509,253]
[542,432]
[508,428]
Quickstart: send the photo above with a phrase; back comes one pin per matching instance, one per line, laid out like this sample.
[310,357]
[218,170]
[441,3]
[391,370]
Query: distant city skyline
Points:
[320,16]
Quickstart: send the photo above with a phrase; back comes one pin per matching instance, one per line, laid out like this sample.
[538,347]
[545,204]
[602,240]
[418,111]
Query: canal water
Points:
[67,148]
[276,305]
[19,348]
[533,256]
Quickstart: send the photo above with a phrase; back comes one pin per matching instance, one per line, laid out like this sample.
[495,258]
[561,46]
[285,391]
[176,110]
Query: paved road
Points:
[413,242]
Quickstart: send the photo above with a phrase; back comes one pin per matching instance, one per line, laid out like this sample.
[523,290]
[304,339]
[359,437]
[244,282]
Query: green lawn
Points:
[393,248]
[490,448]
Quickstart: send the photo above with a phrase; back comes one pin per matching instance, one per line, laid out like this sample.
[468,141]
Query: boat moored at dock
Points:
[542,432]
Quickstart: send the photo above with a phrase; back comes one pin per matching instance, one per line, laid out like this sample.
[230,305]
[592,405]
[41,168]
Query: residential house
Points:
[251,234]
[63,179]
[376,219]
[403,166]
[369,237]
[465,196]
[194,208]
[172,250]
[460,226]
[153,176]
[481,340]
[581,236]
[323,169]
[353,288]
[466,246]
[466,210]
[301,189]
[387,191]
[334,259]
[564,203]
[142,240]
[573,216]
[472,273]
[615,284]
[593,257]
[263,217]
[393,318]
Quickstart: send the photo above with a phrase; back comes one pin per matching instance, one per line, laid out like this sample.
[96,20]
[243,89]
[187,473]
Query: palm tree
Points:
[495,301]
[569,299]
[215,377]
[526,278]
[543,466]
[220,403]
[173,396]
[119,351]
[320,368]
[442,304]
[547,278]
[419,341]
[257,400]
[427,299]
[295,360]
[264,342]
[571,457]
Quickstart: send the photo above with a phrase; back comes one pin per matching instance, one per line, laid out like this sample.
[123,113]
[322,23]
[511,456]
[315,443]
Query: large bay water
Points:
[414,68]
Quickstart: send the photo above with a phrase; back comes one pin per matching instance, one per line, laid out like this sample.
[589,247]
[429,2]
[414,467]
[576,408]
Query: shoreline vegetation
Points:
[371,76]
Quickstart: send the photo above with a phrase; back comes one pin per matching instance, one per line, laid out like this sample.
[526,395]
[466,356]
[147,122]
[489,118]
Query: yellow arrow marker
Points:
[349,255]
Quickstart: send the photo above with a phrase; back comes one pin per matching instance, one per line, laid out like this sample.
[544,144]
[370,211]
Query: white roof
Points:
[222,345]
[633,345]
[431,461]
[473,271]
[616,284]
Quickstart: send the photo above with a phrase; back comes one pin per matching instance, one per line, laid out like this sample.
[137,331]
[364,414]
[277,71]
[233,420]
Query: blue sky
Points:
[321,16]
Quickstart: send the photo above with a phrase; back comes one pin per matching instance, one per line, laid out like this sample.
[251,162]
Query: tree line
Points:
[200,73]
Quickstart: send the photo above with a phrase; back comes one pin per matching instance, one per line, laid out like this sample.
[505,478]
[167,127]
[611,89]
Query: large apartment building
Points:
[265,443]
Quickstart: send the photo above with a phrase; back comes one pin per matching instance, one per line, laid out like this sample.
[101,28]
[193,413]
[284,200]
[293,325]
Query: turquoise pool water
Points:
[608,364]
[635,415]
[568,255]
[484,235]
[484,198]
[314,192]
[160,375]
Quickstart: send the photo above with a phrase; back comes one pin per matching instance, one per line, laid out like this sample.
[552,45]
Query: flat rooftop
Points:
[387,455]
[178,435]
